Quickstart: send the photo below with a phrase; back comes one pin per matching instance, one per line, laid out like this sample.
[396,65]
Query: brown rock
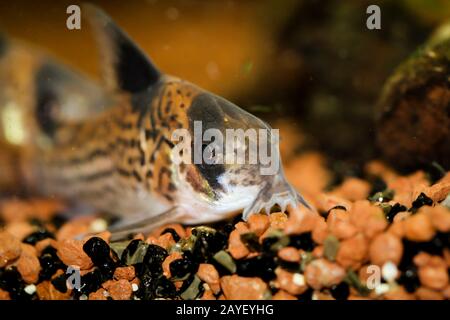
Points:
[339,224]
[208,273]
[292,283]
[120,290]
[28,264]
[353,252]
[10,248]
[243,288]
[419,228]
[289,254]
[258,223]
[385,247]
[127,273]
[322,273]
[71,252]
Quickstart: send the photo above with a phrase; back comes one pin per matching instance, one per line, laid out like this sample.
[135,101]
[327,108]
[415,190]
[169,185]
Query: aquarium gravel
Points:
[377,236]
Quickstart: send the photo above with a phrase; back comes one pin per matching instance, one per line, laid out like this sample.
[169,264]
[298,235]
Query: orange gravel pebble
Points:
[28,264]
[100,294]
[289,254]
[320,231]
[258,223]
[301,220]
[353,252]
[74,228]
[439,216]
[438,191]
[10,248]
[20,229]
[237,249]
[46,291]
[433,273]
[4,295]
[208,273]
[368,218]
[418,227]
[242,288]
[353,189]
[120,290]
[428,294]
[323,273]
[339,224]
[283,295]
[208,295]
[385,247]
[127,273]
[71,252]
[278,220]
[292,283]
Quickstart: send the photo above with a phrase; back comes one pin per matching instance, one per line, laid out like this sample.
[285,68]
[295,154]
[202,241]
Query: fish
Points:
[111,145]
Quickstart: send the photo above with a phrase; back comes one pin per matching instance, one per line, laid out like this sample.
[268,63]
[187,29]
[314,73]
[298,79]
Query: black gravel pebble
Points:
[181,267]
[11,281]
[396,208]
[37,236]
[174,234]
[50,263]
[307,295]
[262,266]
[60,283]
[97,249]
[302,241]
[409,279]
[251,241]
[422,200]
[154,258]
[156,287]
[340,291]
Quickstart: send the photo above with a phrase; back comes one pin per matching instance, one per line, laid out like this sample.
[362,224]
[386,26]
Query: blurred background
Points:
[309,67]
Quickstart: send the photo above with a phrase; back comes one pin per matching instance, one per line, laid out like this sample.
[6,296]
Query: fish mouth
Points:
[277,191]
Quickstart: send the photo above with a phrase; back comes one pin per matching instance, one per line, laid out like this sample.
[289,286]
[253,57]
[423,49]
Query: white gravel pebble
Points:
[30,289]
[389,271]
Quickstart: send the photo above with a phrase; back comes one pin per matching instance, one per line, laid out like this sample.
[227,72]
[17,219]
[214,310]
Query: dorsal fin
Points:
[125,65]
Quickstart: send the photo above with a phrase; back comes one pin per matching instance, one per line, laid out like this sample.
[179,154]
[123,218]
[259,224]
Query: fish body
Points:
[113,147]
